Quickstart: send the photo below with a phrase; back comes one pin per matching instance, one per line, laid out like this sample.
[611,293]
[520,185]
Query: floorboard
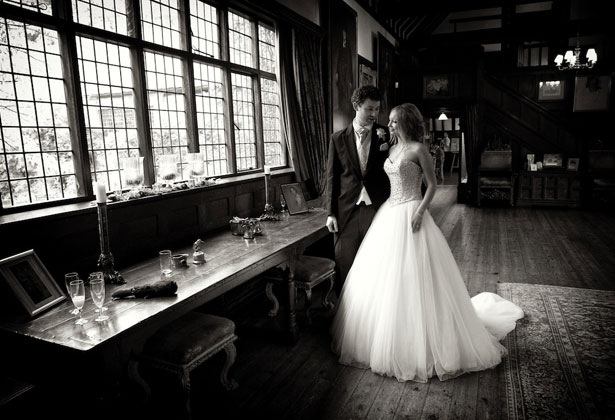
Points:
[562,247]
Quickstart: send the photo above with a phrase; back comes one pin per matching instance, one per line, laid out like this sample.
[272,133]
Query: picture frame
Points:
[344,66]
[552,160]
[294,197]
[591,93]
[367,73]
[386,66]
[573,164]
[551,90]
[32,284]
[437,86]
[455,144]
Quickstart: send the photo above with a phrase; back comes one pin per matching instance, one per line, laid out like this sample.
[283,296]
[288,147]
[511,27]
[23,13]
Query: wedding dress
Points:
[404,310]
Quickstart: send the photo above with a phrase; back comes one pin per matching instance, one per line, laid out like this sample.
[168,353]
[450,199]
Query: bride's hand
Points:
[417,219]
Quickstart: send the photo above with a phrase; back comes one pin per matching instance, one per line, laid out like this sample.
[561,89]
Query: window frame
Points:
[68,30]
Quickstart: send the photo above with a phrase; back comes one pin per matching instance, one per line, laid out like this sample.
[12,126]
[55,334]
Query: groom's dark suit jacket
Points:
[344,179]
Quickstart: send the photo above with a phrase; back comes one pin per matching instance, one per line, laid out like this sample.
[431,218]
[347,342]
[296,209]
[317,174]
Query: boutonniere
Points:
[382,139]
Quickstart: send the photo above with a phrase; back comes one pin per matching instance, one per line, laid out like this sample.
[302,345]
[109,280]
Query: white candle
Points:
[101,192]
[267,169]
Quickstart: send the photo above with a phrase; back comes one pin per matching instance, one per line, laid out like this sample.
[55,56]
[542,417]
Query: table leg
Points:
[292,305]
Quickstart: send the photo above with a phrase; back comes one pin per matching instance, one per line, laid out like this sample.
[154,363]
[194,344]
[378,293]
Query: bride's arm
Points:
[429,173]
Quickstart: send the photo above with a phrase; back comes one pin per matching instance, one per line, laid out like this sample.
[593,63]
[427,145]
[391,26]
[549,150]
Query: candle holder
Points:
[269,212]
[105,260]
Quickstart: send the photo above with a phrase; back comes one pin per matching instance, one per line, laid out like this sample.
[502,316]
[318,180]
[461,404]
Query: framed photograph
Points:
[387,60]
[437,87]
[455,144]
[344,62]
[573,164]
[553,160]
[591,93]
[31,282]
[551,90]
[295,200]
[367,73]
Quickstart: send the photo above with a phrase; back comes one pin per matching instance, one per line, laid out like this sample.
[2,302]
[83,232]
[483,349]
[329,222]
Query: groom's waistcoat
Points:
[344,178]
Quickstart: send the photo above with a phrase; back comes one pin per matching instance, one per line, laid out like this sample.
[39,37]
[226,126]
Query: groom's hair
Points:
[363,93]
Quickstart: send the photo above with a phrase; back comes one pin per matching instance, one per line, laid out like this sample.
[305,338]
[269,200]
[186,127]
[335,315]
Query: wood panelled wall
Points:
[139,228]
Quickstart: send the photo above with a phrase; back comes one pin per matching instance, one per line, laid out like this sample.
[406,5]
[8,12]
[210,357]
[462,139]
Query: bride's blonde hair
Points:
[410,121]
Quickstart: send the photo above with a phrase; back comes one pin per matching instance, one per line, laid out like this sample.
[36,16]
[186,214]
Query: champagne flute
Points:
[97,290]
[76,290]
[68,277]
[98,275]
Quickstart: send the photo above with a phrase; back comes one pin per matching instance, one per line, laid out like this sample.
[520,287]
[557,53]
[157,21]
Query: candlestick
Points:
[270,213]
[105,260]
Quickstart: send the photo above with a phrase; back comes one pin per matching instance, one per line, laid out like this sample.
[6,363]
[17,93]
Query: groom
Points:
[356,182]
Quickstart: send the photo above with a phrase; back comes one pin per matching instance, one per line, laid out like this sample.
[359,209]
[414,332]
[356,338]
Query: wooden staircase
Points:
[525,121]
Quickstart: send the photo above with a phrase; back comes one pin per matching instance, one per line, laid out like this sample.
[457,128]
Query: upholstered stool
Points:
[309,273]
[186,343]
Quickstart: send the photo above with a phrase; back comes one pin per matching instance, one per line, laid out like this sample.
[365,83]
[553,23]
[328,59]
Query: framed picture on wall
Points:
[30,281]
[386,75]
[591,93]
[437,87]
[367,73]
[344,66]
[550,90]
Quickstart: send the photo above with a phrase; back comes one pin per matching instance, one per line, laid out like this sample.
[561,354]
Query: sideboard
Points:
[549,188]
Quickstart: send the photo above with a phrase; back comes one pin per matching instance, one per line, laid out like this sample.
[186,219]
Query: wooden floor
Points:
[561,247]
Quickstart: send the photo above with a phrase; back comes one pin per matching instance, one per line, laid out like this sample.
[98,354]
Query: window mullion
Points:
[142,115]
[74,101]
[138,80]
[189,88]
[230,123]
[258,121]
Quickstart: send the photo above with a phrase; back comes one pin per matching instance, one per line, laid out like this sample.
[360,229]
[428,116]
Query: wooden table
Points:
[48,343]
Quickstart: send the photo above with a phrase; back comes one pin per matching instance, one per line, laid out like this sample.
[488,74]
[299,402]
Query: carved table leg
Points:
[135,376]
[185,382]
[271,296]
[325,298]
[292,305]
[308,305]
[231,353]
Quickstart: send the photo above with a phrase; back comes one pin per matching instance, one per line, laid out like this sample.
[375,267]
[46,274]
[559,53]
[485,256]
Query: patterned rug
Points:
[561,362]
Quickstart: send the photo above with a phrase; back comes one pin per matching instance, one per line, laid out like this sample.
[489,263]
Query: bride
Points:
[404,310]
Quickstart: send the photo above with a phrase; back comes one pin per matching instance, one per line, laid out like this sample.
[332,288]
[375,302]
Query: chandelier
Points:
[572,59]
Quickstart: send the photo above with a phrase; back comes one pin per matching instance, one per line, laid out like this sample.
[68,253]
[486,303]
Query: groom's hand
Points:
[332,224]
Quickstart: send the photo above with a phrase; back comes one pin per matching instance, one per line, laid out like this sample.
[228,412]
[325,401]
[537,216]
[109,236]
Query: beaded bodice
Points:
[405,177]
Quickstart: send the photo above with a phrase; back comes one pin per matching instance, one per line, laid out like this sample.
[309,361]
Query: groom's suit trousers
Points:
[347,242]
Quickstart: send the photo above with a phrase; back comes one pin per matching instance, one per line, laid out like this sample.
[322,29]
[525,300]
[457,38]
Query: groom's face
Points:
[367,112]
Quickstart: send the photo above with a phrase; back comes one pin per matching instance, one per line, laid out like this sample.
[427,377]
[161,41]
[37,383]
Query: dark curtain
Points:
[304,105]
[472,145]
[292,123]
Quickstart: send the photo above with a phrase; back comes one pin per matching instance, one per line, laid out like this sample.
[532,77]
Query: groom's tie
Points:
[363,149]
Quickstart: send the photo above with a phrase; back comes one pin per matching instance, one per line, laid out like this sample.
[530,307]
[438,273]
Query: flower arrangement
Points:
[382,139]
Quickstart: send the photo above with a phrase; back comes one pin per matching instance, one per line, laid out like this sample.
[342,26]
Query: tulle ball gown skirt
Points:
[404,310]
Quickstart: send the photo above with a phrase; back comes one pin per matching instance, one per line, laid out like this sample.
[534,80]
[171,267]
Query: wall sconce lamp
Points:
[572,59]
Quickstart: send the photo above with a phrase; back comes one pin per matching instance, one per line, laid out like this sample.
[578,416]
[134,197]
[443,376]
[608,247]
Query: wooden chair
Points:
[185,344]
[309,273]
